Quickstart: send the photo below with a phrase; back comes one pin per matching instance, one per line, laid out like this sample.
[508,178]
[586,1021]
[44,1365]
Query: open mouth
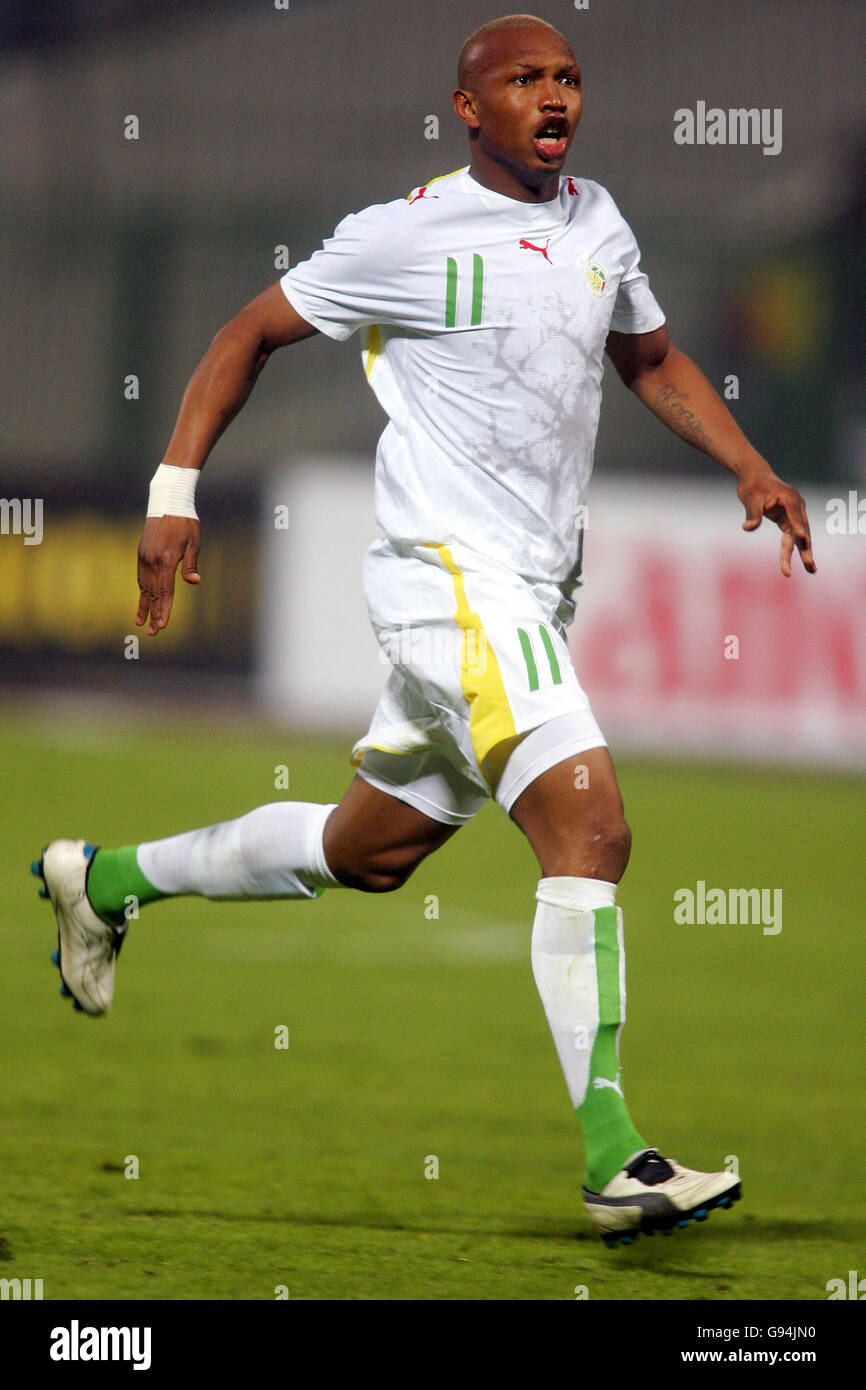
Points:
[551,137]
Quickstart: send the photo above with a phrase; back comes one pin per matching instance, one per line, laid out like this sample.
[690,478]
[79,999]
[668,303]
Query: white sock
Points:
[579,964]
[564,966]
[273,852]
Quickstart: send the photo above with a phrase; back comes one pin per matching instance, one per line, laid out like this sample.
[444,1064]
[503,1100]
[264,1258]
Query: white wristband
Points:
[172,491]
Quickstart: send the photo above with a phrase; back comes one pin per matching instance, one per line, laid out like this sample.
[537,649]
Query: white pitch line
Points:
[475,941]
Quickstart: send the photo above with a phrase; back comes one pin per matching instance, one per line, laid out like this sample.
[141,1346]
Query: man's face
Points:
[526,100]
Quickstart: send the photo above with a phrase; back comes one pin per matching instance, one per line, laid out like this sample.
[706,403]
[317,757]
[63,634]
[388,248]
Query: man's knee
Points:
[616,840]
[590,847]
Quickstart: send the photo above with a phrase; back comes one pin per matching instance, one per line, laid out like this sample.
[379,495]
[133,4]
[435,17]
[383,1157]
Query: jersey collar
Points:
[551,213]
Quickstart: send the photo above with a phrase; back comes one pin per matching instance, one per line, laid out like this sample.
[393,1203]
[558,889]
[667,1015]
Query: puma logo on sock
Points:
[601,1081]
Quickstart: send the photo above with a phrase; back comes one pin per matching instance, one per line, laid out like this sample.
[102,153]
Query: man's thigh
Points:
[572,815]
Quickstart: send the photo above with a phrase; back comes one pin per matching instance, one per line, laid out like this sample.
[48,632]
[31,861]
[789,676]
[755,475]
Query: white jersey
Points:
[485,323]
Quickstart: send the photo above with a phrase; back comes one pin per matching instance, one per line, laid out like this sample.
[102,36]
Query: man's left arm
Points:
[677,391]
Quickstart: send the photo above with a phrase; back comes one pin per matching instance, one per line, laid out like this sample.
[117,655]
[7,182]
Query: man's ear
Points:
[464,108]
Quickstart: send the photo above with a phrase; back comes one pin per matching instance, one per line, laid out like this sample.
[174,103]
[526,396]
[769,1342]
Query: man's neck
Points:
[500,179]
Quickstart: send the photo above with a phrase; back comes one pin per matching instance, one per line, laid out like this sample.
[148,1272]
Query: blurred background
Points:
[158,162]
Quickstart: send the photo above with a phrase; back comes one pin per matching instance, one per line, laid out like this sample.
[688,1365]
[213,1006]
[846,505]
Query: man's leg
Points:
[371,841]
[286,849]
[572,815]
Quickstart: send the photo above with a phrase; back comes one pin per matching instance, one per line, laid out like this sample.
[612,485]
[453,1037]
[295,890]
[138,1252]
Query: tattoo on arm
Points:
[670,407]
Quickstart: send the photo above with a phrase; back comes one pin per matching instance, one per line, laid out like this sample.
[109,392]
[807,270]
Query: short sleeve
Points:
[636,309]
[344,285]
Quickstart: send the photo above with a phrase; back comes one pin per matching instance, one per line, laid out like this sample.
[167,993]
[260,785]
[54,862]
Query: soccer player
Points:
[486,300]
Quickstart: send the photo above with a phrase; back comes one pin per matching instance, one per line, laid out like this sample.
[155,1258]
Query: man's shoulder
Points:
[596,204]
[438,188]
[588,191]
[402,211]
[435,189]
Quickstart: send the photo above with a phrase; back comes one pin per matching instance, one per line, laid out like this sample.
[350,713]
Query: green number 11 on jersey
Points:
[452,288]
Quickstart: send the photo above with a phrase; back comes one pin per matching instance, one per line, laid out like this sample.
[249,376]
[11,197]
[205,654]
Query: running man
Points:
[486,301]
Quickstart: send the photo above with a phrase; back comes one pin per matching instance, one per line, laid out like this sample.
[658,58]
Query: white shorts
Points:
[478,659]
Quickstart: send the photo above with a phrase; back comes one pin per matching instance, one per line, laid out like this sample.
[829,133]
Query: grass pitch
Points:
[413,1037]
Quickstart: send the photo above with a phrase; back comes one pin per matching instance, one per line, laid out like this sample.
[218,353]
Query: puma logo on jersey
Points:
[422,193]
[529,246]
[601,1081]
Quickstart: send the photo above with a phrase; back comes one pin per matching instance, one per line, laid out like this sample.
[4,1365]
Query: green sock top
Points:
[116,887]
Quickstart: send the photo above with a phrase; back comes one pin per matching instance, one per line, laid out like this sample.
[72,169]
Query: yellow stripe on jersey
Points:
[372,349]
[438,179]
[490,717]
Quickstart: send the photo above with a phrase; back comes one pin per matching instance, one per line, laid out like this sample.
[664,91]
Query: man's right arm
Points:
[218,388]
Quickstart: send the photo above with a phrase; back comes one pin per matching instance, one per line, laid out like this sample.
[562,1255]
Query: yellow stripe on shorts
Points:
[490,717]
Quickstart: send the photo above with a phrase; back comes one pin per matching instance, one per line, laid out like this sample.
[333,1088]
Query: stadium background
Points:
[260,128]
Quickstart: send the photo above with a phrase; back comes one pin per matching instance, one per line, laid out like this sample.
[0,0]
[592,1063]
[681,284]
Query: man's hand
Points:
[766,495]
[166,542]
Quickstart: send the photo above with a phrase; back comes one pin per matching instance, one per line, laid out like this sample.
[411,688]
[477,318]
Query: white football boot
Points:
[651,1193]
[87,947]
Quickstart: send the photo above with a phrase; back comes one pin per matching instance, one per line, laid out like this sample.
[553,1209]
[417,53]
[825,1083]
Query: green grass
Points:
[412,1037]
